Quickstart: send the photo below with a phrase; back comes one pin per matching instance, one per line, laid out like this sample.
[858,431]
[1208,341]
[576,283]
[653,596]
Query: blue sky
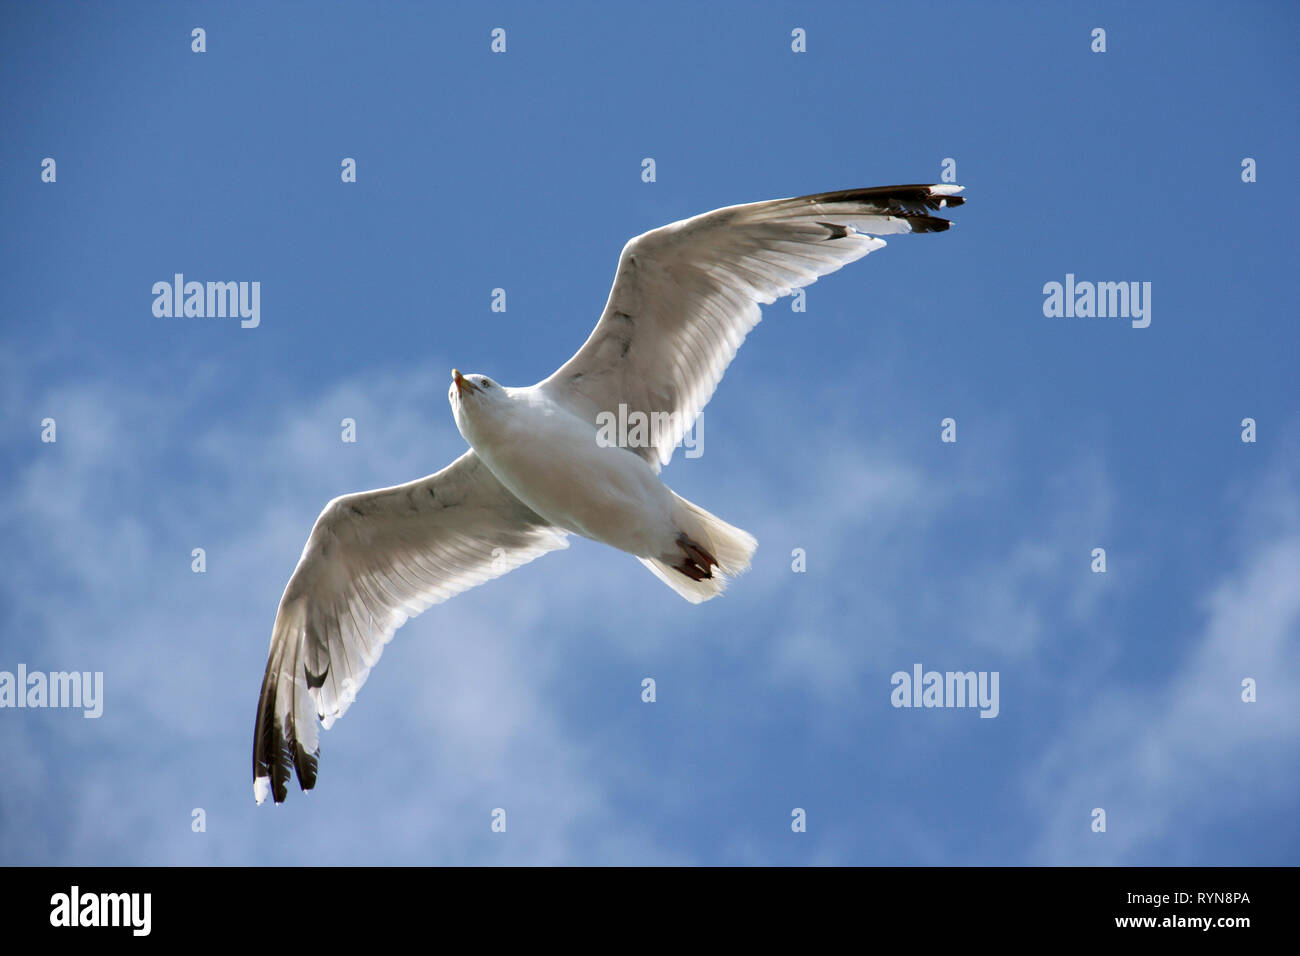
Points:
[522,171]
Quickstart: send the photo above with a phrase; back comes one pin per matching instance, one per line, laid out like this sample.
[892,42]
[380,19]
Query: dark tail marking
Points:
[697,564]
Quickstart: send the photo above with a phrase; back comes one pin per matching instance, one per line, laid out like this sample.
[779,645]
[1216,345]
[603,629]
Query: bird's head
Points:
[472,394]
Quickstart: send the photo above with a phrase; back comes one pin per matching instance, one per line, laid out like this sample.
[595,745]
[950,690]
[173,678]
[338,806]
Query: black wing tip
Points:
[305,765]
[918,193]
[276,749]
[273,765]
[928,223]
[913,203]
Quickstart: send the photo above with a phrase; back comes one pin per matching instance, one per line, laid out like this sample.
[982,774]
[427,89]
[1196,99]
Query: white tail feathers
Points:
[729,546]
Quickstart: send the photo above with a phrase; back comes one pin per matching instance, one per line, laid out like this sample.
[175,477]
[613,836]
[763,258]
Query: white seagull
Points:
[538,469]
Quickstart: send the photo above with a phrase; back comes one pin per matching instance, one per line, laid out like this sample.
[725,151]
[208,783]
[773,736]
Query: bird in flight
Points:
[540,467]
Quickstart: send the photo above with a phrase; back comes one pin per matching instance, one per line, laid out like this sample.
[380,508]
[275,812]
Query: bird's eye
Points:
[486,383]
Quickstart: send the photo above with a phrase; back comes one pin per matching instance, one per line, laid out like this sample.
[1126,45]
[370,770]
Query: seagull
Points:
[540,468]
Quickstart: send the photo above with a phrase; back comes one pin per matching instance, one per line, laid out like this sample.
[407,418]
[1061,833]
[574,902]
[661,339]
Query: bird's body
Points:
[551,460]
[685,296]
[555,462]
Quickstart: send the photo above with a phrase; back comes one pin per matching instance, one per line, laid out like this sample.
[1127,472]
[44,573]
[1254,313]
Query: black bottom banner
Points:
[1220,904]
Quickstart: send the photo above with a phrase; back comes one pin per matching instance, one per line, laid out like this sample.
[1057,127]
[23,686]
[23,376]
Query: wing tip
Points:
[305,765]
[921,224]
[910,203]
[278,754]
[947,193]
[272,779]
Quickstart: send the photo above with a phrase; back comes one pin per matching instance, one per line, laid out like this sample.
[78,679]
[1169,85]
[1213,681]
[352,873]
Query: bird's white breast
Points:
[550,459]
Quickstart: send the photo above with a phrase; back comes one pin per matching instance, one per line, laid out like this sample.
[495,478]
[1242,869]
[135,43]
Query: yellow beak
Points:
[462,382]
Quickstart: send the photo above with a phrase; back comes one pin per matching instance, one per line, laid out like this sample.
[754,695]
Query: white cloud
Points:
[1190,754]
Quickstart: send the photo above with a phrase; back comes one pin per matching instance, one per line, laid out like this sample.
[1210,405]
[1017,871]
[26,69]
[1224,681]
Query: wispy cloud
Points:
[1185,753]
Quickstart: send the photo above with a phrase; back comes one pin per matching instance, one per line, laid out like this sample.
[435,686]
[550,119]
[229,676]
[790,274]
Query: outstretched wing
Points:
[686,295]
[373,560]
